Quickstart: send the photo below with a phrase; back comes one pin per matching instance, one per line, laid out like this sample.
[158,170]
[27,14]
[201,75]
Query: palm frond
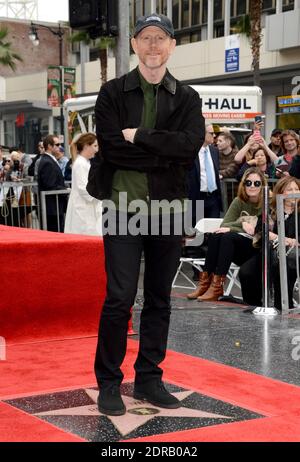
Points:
[7,55]
[243,26]
[81,36]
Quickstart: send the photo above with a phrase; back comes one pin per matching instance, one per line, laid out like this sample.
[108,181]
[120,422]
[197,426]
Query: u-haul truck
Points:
[229,104]
[221,105]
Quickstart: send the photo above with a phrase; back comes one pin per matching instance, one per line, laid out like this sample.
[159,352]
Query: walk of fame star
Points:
[130,421]
[76,411]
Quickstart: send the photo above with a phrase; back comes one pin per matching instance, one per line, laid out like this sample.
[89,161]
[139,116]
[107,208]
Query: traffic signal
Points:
[99,17]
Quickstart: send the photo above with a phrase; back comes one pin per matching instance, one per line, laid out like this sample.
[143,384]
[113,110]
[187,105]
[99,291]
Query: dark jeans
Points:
[250,276]
[227,248]
[122,263]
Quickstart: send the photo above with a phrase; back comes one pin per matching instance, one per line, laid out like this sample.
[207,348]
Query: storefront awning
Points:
[12,107]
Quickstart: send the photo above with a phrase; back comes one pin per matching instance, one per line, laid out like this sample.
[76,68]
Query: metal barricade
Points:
[19,204]
[43,208]
[22,205]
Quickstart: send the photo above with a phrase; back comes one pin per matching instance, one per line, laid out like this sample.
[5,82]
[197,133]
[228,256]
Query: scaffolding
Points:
[20,9]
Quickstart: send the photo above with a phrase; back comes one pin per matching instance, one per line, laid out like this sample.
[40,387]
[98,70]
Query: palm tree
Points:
[7,55]
[250,25]
[255,11]
[103,43]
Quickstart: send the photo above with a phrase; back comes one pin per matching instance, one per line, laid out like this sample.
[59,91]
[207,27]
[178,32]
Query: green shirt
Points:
[237,209]
[131,181]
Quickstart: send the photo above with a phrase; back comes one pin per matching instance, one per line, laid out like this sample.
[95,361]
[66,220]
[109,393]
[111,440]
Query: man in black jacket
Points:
[50,178]
[150,129]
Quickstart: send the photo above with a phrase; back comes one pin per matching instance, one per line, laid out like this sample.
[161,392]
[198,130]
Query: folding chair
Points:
[205,225]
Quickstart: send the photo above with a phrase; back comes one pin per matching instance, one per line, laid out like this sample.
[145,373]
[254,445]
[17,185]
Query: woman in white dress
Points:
[84,211]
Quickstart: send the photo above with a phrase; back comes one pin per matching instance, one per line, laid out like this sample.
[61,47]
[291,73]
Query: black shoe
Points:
[155,393]
[110,401]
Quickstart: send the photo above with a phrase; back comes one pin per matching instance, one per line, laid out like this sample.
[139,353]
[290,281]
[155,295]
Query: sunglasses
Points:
[57,144]
[255,183]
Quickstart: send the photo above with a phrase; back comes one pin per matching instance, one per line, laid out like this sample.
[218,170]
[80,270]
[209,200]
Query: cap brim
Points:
[151,24]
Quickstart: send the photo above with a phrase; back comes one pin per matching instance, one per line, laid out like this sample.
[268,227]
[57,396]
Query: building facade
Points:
[24,112]
[209,52]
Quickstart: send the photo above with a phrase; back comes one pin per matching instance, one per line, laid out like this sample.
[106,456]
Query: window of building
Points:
[267,4]
[138,8]
[219,30]
[147,8]
[164,7]
[196,37]
[232,8]
[158,7]
[288,5]
[184,39]
[9,133]
[241,7]
[185,13]
[204,11]
[175,14]
[218,13]
[195,12]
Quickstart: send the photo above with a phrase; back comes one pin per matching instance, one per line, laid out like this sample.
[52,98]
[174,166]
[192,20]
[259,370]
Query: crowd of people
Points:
[51,170]
[233,242]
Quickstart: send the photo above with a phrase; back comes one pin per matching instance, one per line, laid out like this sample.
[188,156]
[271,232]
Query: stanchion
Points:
[265,310]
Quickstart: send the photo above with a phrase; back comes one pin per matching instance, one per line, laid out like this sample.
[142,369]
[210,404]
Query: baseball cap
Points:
[276,131]
[158,20]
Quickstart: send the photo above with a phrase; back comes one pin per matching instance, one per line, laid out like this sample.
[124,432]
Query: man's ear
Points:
[133,44]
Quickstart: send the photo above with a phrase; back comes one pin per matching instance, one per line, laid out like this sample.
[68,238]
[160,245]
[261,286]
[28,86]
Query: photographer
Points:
[16,167]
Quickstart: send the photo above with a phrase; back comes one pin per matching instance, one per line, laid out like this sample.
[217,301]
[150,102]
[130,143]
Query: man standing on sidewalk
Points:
[150,129]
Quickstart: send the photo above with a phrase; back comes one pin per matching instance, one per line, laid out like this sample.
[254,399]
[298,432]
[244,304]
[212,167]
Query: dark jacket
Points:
[164,152]
[295,167]
[51,178]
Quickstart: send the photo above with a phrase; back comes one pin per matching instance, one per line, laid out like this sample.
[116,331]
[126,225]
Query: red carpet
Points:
[42,368]
[52,284]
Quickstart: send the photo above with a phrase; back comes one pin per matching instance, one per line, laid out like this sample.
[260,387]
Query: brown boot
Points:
[215,290]
[204,283]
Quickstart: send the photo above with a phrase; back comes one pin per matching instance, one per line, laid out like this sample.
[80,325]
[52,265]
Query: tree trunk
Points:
[255,11]
[103,65]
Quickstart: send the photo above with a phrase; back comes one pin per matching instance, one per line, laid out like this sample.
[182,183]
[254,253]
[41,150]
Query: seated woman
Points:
[250,273]
[84,211]
[260,158]
[232,242]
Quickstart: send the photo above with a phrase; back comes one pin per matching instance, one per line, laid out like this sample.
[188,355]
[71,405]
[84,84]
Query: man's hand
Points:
[129,134]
